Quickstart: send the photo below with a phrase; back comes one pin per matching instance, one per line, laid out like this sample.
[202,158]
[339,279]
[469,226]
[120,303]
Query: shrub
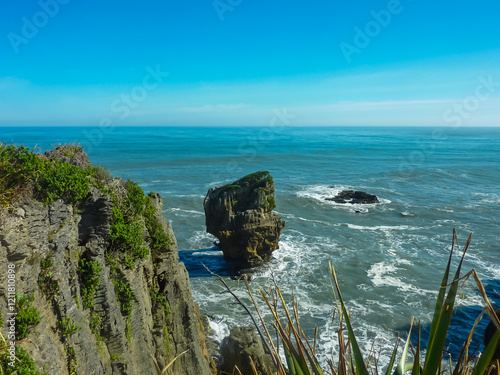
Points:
[160,299]
[24,365]
[67,327]
[22,170]
[89,272]
[126,236]
[159,240]
[124,296]
[134,203]
[72,362]
[48,285]
[19,167]
[96,325]
[27,316]
[98,177]
[61,180]
[69,149]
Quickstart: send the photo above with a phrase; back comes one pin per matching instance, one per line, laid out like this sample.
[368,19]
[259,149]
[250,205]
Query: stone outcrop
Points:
[237,349]
[71,154]
[51,246]
[354,197]
[241,216]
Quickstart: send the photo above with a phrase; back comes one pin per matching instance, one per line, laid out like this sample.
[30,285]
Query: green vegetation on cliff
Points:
[27,317]
[126,229]
[47,283]
[159,241]
[94,238]
[24,363]
[248,180]
[89,272]
[22,172]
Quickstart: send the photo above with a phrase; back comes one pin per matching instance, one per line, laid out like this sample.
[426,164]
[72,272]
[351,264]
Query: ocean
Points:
[390,257]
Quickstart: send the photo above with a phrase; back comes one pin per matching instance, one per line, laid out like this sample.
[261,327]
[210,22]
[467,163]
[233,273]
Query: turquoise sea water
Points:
[389,257]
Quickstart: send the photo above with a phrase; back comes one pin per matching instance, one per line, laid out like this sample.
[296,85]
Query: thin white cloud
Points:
[346,106]
[213,108]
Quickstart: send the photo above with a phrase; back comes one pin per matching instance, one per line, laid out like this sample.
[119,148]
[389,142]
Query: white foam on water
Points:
[201,239]
[382,227]
[188,196]
[469,298]
[220,329]
[320,192]
[488,198]
[184,211]
[369,338]
[445,209]
[386,273]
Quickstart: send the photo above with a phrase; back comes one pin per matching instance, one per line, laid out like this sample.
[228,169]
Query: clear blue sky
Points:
[232,62]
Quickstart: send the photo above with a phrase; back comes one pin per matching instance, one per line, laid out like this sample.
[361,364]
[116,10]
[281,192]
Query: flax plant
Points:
[301,359]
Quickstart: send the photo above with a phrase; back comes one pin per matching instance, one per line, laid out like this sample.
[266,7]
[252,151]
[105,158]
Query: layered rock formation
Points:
[354,197]
[104,279]
[241,216]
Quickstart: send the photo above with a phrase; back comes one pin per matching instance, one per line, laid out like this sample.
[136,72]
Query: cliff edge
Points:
[90,267]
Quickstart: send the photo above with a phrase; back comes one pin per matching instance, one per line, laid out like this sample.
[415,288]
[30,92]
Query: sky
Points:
[237,62]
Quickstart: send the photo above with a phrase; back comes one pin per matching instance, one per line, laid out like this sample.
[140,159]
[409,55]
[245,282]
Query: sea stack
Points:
[241,216]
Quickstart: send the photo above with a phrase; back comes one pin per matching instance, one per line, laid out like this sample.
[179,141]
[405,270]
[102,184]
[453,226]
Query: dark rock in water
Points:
[488,335]
[241,216]
[354,197]
[238,347]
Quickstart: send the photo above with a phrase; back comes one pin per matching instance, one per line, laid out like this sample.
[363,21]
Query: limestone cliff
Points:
[241,216]
[99,286]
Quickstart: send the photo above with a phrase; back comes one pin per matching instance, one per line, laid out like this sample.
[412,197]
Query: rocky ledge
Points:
[354,197]
[241,216]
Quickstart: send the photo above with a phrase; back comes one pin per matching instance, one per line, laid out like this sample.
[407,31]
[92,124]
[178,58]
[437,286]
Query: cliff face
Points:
[99,286]
[241,216]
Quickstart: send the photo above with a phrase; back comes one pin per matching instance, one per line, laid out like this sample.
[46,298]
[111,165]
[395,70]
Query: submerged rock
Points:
[241,216]
[238,347]
[354,197]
